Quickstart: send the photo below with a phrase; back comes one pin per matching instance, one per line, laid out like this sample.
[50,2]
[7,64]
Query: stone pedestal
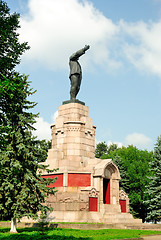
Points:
[88,187]
[73,137]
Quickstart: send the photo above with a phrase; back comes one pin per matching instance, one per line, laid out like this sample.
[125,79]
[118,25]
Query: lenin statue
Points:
[76,72]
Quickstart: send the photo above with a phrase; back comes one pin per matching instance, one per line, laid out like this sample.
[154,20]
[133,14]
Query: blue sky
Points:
[121,71]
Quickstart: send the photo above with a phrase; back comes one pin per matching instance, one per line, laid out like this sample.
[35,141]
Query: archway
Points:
[110,177]
[106,191]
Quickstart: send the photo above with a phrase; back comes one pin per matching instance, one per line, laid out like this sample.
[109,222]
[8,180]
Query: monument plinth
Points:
[88,187]
[73,136]
[73,101]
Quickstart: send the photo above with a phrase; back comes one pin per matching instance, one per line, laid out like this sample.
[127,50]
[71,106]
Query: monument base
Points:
[88,187]
[73,101]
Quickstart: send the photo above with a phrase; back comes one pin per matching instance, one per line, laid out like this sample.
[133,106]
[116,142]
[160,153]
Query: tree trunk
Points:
[13,225]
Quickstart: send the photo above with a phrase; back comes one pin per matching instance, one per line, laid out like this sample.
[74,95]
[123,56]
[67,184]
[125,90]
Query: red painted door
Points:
[123,205]
[106,191]
[93,204]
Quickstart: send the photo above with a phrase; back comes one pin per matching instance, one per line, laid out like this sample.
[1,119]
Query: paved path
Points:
[156,237]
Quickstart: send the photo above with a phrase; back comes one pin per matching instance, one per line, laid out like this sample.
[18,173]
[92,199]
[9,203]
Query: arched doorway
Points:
[106,191]
[107,177]
[110,184]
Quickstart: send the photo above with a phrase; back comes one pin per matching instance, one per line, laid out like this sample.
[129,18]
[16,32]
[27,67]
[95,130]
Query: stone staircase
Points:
[120,218]
[94,226]
[112,214]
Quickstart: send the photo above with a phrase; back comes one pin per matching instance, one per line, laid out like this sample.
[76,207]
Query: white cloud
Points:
[119,144]
[109,143]
[55,115]
[56,28]
[43,130]
[144,48]
[138,139]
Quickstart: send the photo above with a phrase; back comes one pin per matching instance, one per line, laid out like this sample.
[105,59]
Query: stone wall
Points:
[69,201]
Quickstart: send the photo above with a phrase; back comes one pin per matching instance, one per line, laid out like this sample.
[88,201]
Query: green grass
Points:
[4,220]
[72,234]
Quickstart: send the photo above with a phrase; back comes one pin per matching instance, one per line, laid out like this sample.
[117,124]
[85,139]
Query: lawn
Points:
[72,234]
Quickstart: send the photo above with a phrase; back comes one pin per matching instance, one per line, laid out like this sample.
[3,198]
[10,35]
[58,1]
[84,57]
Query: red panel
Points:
[58,182]
[93,204]
[106,191]
[123,205]
[79,179]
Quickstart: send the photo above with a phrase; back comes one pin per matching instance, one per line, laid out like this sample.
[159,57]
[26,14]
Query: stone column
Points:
[65,179]
[73,136]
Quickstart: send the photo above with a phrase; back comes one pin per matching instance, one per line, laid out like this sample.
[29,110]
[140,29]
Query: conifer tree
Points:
[22,190]
[10,48]
[154,187]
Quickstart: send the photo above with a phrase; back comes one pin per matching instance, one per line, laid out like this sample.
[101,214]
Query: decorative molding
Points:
[74,122]
[75,129]
[89,132]
[59,131]
[122,195]
[93,193]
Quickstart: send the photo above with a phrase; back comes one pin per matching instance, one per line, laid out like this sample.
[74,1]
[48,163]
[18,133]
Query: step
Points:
[120,218]
[118,215]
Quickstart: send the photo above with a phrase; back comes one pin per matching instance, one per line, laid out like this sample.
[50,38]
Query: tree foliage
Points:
[10,48]
[112,147]
[101,148]
[22,190]
[154,186]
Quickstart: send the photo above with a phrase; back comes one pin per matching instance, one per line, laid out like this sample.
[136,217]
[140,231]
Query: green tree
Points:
[10,53]
[123,171]
[154,186]
[46,144]
[22,190]
[112,148]
[101,149]
[135,171]
[10,48]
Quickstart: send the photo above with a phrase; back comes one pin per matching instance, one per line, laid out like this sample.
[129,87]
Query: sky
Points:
[121,81]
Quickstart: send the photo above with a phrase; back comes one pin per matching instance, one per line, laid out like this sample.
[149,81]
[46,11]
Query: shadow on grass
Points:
[4,230]
[36,234]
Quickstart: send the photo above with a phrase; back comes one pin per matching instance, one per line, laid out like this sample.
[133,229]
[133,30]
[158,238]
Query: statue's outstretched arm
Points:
[79,53]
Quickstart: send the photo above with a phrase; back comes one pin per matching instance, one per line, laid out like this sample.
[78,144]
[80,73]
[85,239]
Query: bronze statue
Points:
[76,72]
